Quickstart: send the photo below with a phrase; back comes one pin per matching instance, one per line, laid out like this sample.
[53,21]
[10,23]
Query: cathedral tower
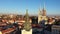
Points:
[39,15]
[44,10]
[42,14]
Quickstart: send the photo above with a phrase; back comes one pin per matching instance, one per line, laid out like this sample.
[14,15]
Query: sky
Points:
[19,6]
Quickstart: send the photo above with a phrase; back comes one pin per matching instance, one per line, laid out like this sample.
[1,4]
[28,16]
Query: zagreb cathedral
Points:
[42,14]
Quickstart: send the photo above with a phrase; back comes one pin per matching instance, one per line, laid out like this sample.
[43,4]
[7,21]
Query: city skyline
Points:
[19,6]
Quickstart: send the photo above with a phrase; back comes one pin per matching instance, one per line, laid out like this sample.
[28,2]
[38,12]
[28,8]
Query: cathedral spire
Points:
[44,7]
[39,12]
[44,10]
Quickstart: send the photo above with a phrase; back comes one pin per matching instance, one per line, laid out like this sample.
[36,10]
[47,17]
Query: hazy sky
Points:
[20,6]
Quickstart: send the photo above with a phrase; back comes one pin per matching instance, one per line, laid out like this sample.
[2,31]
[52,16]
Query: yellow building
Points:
[42,14]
